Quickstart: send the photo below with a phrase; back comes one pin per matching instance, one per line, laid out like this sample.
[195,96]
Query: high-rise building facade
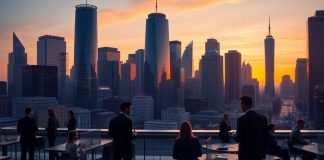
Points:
[51,51]
[109,68]
[301,85]
[139,58]
[3,88]
[157,57]
[187,61]
[85,56]
[287,87]
[269,47]
[142,110]
[127,81]
[249,90]
[232,76]
[212,81]
[246,74]
[39,81]
[175,62]
[319,106]
[211,45]
[315,27]
[5,106]
[17,59]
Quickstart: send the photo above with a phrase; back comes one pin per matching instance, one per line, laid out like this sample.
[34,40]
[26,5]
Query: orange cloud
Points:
[117,16]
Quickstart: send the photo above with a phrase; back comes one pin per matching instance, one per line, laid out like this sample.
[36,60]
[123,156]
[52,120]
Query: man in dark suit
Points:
[27,129]
[252,132]
[120,129]
[224,128]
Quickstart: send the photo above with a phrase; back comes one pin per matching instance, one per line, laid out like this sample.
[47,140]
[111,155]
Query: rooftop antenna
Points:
[269,26]
[156,6]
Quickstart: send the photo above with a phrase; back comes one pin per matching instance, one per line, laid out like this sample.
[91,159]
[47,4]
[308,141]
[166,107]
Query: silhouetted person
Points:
[72,121]
[71,147]
[51,129]
[273,147]
[224,128]
[252,132]
[120,129]
[27,128]
[296,138]
[186,146]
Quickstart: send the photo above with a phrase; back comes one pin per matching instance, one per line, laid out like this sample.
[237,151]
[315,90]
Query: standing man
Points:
[27,129]
[120,129]
[252,132]
[224,128]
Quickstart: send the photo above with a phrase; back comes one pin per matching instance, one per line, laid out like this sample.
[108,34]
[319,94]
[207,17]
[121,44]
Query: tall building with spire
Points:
[269,47]
[17,59]
[85,56]
[187,60]
[157,57]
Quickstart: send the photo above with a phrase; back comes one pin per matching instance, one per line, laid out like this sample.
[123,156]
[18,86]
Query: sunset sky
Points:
[236,24]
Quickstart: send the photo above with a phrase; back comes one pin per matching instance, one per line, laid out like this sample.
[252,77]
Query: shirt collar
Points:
[250,109]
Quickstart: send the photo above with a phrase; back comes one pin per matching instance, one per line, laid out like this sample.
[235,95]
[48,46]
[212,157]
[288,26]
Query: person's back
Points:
[224,129]
[296,137]
[27,128]
[120,129]
[252,133]
[186,149]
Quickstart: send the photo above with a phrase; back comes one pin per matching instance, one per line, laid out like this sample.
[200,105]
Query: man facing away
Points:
[252,132]
[120,129]
[27,128]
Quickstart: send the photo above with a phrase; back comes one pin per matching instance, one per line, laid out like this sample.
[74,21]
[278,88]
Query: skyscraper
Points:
[315,56]
[3,88]
[127,81]
[212,82]
[17,59]
[301,84]
[211,45]
[85,53]
[157,55]
[51,51]
[109,68]
[232,76]
[175,62]
[139,56]
[39,81]
[187,60]
[269,47]
[175,69]
[249,90]
[246,74]
[319,106]
[287,87]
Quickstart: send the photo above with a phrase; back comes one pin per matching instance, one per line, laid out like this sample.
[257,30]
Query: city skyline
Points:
[290,32]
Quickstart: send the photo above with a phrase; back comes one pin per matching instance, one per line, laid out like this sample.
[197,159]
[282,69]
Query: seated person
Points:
[273,147]
[224,128]
[186,146]
[73,150]
[296,138]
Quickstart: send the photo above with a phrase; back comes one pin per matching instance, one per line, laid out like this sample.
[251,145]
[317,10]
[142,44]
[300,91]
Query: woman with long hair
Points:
[51,129]
[186,146]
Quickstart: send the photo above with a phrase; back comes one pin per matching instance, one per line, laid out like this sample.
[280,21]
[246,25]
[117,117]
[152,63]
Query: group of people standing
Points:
[27,128]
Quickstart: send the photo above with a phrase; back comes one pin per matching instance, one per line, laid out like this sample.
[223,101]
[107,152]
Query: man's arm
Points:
[111,129]
[299,138]
[238,135]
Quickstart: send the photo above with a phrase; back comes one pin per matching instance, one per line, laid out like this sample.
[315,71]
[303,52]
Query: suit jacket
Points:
[252,135]
[186,149]
[296,137]
[224,129]
[120,129]
[27,128]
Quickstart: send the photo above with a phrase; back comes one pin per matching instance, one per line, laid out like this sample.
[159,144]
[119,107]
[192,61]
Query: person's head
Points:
[185,130]
[71,113]
[271,127]
[125,107]
[72,136]
[300,124]
[51,112]
[246,103]
[225,116]
[28,111]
